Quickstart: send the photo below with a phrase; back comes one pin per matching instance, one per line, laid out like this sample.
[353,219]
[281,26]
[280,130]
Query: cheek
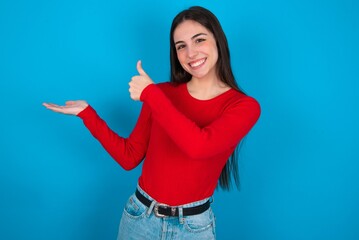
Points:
[214,52]
[180,56]
[206,47]
[182,59]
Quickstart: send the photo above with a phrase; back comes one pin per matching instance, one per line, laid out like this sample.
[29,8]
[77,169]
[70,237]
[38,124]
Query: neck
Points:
[206,88]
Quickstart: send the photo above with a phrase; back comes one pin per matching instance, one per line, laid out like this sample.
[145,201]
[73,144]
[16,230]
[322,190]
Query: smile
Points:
[197,63]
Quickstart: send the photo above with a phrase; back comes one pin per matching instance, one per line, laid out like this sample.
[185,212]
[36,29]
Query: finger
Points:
[47,104]
[50,105]
[54,108]
[60,109]
[140,69]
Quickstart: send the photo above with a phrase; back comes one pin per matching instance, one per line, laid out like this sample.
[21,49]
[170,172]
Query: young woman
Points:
[186,133]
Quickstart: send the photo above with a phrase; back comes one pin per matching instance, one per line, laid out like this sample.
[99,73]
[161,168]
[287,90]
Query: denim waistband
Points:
[191,204]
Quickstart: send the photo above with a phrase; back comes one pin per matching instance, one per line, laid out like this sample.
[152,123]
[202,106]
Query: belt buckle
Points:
[155,209]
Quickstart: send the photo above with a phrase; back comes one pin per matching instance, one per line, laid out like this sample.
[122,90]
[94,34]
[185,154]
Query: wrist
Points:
[145,91]
[85,112]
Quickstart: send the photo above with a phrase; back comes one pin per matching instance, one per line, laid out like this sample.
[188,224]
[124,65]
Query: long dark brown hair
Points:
[223,70]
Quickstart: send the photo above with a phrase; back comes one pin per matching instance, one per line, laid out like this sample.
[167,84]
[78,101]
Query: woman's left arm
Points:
[200,142]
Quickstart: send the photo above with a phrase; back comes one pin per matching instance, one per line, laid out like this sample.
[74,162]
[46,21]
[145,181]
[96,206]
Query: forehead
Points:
[187,29]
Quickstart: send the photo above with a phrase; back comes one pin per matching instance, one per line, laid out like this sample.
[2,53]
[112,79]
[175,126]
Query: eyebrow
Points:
[194,36]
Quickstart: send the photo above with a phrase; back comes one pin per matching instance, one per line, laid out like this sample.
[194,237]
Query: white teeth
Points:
[196,64]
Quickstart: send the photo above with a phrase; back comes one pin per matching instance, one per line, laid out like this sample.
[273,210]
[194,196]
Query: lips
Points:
[197,63]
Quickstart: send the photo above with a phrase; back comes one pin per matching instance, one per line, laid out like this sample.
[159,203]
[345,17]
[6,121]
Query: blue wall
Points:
[299,165]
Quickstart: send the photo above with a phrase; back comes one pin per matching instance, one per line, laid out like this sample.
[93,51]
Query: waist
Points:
[185,191]
[164,210]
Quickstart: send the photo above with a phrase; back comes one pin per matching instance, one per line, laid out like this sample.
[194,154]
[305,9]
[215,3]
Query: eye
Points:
[180,46]
[198,40]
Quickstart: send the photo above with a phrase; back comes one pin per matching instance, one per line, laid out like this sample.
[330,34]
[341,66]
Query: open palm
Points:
[70,107]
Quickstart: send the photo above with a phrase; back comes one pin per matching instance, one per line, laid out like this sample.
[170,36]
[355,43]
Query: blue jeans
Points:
[139,222]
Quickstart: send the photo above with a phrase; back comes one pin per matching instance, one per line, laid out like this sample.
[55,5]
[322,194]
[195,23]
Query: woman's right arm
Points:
[128,152]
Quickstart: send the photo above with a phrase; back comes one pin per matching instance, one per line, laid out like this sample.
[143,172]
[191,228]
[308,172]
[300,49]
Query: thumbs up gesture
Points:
[139,82]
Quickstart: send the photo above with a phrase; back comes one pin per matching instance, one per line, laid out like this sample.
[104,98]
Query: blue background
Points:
[299,165]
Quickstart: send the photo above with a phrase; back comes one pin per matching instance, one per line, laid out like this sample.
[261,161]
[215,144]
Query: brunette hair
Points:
[223,70]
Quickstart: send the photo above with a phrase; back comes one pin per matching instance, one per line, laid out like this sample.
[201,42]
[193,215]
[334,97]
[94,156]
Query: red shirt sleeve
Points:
[202,142]
[128,152]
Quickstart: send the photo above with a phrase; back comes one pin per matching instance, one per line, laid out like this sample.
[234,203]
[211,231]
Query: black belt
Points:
[162,210]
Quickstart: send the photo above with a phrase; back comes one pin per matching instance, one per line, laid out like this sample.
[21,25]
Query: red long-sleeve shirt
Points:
[185,142]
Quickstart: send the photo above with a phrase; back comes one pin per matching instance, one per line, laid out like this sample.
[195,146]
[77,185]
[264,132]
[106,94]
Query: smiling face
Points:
[196,49]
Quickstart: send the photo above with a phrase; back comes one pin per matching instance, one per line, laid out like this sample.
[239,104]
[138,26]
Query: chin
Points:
[199,76]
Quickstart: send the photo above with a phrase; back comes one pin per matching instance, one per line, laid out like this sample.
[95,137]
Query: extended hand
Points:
[71,107]
[139,82]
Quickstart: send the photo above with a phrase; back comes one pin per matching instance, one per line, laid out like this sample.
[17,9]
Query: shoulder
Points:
[168,86]
[241,97]
[171,89]
[236,96]
[242,102]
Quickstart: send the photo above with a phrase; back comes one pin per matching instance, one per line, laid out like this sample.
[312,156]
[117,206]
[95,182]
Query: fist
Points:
[139,82]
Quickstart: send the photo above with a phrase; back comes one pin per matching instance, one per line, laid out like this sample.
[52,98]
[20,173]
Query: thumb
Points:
[140,69]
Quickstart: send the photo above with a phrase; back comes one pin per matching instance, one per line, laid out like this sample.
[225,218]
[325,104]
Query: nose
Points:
[191,52]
